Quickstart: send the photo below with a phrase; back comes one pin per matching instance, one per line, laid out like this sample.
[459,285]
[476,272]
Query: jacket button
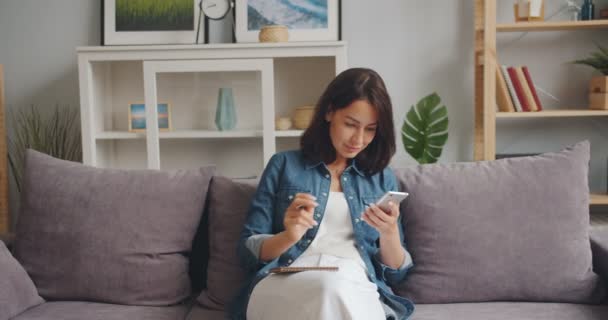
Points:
[327,176]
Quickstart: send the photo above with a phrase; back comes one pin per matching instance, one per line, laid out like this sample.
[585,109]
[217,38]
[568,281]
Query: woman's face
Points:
[352,128]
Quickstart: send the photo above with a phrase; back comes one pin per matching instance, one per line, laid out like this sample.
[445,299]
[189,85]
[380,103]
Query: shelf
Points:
[598,199]
[553,113]
[119,135]
[552,26]
[215,46]
[268,79]
[210,134]
[288,133]
[181,134]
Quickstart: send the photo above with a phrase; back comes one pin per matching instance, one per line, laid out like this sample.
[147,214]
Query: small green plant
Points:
[425,129]
[597,60]
[56,133]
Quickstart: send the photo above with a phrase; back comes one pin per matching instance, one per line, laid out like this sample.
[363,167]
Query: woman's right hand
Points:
[299,216]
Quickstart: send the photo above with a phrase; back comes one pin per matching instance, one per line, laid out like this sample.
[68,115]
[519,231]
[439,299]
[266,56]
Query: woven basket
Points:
[303,116]
[274,33]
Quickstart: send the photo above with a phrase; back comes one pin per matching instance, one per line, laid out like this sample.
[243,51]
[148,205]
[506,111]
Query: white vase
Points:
[535,8]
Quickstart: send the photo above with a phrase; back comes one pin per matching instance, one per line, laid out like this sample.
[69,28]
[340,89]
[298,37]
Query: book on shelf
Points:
[503,98]
[526,72]
[515,84]
[519,91]
[512,93]
[526,89]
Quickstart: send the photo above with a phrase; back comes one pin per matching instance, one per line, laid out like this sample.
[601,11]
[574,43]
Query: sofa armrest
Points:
[599,248]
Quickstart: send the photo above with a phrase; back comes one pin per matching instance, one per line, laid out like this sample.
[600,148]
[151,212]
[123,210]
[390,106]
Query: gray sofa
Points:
[505,239]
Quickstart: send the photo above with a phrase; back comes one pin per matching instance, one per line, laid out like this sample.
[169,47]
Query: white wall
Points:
[418,50]
[417,46]
[37,47]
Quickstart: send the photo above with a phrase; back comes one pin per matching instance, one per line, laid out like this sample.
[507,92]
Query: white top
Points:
[336,235]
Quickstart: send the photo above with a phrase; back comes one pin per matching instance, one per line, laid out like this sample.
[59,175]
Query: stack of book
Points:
[515,91]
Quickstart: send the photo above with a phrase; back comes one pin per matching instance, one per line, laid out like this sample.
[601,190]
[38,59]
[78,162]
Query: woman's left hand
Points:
[386,222]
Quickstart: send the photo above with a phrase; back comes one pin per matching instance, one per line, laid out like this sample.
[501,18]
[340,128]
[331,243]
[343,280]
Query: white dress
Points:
[316,295]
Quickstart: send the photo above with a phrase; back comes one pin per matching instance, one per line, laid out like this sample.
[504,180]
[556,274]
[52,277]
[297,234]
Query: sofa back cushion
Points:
[510,229]
[229,202]
[108,235]
[17,291]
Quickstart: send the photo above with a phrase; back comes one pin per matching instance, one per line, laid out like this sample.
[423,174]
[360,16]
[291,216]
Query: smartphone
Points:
[394,196]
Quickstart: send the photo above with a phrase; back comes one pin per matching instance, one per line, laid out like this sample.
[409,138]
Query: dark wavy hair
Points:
[349,86]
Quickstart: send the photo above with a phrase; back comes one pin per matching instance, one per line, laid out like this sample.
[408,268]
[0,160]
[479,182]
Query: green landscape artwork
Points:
[154,15]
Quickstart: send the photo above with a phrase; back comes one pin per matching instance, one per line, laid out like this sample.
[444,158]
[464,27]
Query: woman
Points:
[315,207]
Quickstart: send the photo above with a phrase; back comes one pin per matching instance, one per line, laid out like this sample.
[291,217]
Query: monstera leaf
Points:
[424,131]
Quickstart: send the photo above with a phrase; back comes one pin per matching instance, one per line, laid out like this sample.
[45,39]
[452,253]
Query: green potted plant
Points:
[56,133]
[425,129]
[598,86]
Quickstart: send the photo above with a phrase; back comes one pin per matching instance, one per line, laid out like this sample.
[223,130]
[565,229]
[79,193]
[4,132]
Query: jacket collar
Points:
[353,165]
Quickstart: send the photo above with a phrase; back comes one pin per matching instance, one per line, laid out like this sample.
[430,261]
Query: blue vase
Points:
[225,114]
[587,10]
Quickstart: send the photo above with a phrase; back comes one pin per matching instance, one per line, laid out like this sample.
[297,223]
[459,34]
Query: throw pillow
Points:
[229,202]
[510,229]
[108,235]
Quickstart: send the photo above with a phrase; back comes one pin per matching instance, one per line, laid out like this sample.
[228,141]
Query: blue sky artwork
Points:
[295,14]
[138,116]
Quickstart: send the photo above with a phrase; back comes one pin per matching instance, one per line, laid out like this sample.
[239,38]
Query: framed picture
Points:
[135,22]
[137,117]
[307,20]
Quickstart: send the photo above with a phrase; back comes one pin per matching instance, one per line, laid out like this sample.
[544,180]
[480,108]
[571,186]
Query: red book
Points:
[532,88]
[519,91]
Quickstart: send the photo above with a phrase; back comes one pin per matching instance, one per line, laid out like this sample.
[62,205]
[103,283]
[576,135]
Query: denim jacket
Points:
[287,174]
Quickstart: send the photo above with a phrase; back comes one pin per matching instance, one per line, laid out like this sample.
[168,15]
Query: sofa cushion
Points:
[101,311]
[17,291]
[507,230]
[509,311]
[108,235]
[202,313]
[229,202]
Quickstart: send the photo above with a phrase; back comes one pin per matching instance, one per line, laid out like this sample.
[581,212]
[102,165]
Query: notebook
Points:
[299,269]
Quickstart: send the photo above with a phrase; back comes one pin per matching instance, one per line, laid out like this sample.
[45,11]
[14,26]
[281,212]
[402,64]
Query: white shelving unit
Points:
[268,81]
